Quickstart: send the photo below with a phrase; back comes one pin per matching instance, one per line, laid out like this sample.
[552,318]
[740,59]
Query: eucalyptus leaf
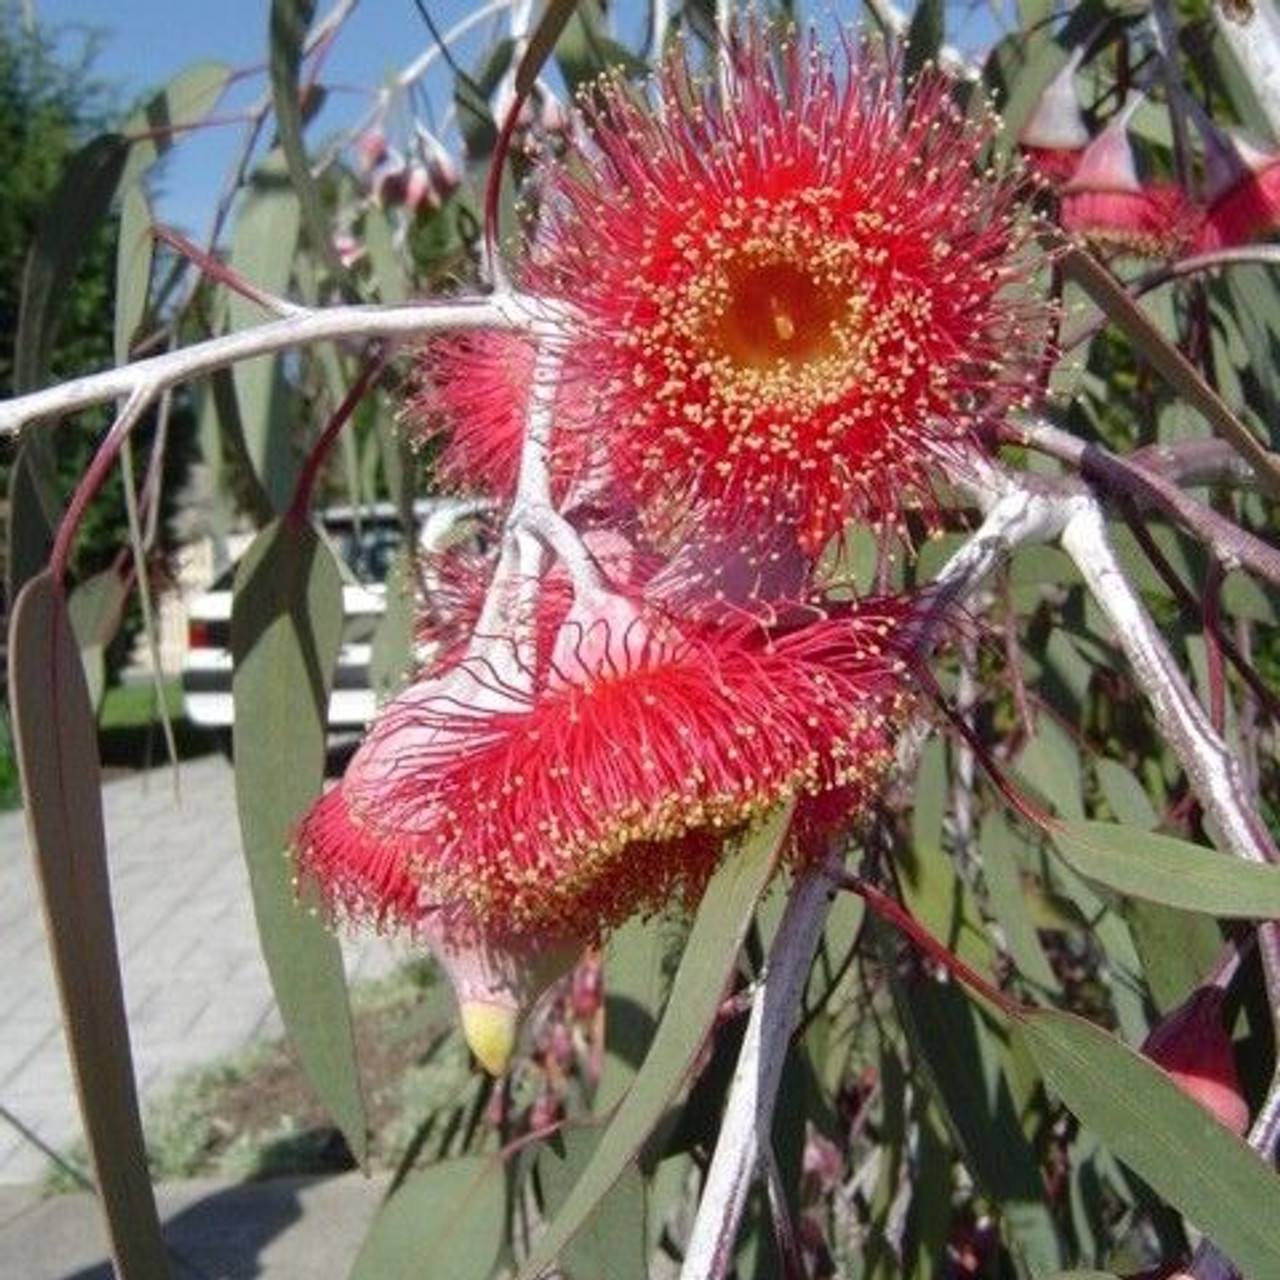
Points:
[446,1223]
[262,249]
[1158,868]
[186,100]
[286,624]
[705,967]
[614,1240]
[290,20]
[61,782]
[1164,1136]
[133,269]
[80,202]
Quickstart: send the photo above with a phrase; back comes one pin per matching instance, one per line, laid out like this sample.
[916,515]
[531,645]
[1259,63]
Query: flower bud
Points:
[1193,1047]
[1055,136]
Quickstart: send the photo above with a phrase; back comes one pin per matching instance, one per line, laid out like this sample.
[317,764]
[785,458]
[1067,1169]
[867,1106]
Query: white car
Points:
[365,540]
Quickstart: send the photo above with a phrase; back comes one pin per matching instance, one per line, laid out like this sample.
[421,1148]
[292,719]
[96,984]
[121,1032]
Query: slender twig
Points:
[1267,255]
[157,374]
[1133,478]
[748,1116]
[1211,767]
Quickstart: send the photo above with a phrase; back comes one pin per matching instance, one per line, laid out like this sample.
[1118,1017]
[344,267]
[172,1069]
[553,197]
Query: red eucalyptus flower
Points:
[1246,200]
[476,388]
[793,301]
[1107,203]
[556,802]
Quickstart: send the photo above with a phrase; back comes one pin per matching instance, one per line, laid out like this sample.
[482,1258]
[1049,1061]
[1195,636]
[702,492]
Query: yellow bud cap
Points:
[490,1030]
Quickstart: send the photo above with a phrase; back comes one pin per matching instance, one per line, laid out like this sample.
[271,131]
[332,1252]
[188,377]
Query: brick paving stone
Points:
[195,983]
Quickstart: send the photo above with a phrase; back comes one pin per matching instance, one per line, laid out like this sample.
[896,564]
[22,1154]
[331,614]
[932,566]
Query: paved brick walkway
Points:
[195,983]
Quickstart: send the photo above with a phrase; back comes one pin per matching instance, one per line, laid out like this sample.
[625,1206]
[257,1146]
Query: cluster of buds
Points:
[1104,200]
[783,308]
[566,1053]
[423,180]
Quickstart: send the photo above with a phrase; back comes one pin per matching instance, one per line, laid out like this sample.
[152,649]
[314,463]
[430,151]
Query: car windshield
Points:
[368,550]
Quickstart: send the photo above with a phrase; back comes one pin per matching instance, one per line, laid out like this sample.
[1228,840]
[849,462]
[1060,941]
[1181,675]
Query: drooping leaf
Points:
[1125,795]
[262,251]
[1050,761]
[133,269]
[1164,1136]
[186,100]
[68,222]
[1178,949]
[957,1047]
[705,967]
[931,888]
[585,52]
[35,505]
[614,1240]
[290,20]
[1157,868]
[924,38]
[445,1223]
[95,608]
[61,781]
[1008,902]
[542,42]
[635,961]
[286,624]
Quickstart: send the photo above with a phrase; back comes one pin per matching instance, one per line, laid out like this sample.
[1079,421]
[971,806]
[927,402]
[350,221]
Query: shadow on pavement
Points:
[222,1235]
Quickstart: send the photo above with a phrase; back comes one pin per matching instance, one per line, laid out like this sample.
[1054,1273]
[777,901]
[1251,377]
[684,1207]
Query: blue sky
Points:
[144,43]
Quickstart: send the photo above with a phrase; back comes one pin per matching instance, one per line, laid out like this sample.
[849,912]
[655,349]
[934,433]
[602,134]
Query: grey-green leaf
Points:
[184,101]
[95,609]
[289,22]
[708,961]
[262,250]
[1164,1136]
[79,203]
[443,1224]
[1141,864]
[133,269]
[286,624]
[61,783]
[613,1241]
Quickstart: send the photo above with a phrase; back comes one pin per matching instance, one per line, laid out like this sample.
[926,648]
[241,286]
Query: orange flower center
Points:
[777,312]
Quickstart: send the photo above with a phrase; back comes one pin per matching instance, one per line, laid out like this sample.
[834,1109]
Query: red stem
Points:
[301,503]
[888,909]
[213,268]
[493,187]
[92,480]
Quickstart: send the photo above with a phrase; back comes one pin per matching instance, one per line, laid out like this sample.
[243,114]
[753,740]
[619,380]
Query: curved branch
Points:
[1213,770]
[748,1116]
[1134,478]
[159,373]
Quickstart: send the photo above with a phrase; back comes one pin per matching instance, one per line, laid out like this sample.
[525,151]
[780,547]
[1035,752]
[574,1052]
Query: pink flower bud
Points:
[588,989]
[1244,188]
[419,190]
[1107,203]
[1055,135]
[371,149]
[1193,1046]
